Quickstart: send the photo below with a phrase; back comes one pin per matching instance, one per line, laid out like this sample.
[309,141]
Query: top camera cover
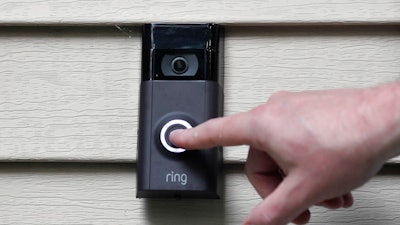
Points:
[181,52]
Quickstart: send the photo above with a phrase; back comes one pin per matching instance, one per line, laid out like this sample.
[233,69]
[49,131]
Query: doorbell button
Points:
[168,132]
[167,129]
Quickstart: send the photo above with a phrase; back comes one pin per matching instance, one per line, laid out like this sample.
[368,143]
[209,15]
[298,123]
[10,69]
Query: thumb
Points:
[284,204]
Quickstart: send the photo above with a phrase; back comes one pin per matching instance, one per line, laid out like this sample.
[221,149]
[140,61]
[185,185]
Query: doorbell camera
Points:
[181,87]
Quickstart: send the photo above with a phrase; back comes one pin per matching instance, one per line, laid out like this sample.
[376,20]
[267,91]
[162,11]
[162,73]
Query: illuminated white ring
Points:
[164,131]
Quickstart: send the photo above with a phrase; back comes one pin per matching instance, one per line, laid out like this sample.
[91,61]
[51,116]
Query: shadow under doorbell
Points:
[181,87]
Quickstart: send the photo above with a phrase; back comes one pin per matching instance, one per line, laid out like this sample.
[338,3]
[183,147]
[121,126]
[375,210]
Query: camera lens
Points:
[179,65]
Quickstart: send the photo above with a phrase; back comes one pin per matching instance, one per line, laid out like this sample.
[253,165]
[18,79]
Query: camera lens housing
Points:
[179,65]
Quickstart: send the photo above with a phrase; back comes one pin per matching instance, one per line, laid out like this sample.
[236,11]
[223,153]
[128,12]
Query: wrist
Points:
[383,104]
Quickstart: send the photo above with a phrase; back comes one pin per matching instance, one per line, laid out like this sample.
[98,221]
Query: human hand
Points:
[306,148]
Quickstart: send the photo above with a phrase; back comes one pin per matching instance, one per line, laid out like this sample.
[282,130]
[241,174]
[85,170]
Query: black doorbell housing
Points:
[181,87]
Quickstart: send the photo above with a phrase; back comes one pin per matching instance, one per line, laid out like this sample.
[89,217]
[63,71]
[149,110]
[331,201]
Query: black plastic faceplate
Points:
[201,40]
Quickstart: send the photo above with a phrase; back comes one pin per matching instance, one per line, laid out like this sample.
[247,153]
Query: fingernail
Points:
[176,132]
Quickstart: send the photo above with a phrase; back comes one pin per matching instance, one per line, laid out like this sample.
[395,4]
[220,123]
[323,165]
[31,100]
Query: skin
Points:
[307,148]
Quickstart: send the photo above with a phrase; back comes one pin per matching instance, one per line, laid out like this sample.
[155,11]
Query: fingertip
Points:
[176,133]
[333,203]
[247,223]
[263,213]
[176,137]
[285,204]
[253,218]
[348,200]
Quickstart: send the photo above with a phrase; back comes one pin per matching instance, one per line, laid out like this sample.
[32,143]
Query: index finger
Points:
[231,130]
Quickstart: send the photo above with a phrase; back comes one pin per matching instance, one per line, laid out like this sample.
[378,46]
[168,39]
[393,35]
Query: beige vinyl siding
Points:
[105,194]
[71,93]
[69,85]
[230,12]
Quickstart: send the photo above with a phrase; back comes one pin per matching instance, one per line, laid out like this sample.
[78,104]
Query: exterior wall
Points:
[70,73]
[71,93]
[54,193]
[230,12]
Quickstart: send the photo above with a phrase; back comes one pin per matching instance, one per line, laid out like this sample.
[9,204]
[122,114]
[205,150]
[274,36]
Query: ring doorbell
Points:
[181,87]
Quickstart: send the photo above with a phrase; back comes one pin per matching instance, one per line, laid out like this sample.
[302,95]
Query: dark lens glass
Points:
[179,65]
